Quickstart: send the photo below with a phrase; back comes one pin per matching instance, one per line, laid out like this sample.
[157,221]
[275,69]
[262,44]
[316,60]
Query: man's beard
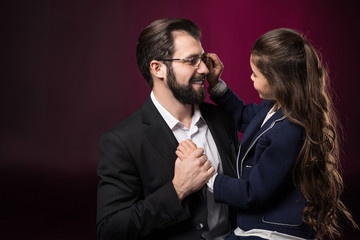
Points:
[185,94]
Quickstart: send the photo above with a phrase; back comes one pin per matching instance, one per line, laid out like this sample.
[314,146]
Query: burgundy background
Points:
[69,73]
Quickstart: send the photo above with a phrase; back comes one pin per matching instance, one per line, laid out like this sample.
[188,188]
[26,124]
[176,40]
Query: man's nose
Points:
[203,69]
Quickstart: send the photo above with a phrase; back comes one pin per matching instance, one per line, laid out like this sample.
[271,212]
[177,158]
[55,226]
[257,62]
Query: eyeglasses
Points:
[193,61]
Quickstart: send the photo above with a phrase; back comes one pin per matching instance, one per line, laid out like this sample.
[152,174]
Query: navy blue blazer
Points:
[264,192]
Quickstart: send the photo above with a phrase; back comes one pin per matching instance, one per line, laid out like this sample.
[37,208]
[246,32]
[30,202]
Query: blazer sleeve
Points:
[269,176]
[235,107]
[123,212]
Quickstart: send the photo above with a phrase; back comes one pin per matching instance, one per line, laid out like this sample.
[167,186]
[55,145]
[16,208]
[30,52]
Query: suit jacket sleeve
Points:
[123,210]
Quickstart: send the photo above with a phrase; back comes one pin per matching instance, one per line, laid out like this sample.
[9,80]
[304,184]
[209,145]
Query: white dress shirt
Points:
[199,133]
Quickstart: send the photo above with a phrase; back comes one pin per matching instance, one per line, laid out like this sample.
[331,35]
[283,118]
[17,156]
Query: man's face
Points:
[185,81]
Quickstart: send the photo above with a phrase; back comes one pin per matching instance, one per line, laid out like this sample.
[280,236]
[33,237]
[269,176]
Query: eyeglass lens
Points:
[197,59]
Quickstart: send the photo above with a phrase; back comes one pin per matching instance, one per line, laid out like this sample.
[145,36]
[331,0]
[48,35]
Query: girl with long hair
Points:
[289,183]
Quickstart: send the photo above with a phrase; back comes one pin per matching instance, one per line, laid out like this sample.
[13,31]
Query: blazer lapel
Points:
[159,133]
[254,129]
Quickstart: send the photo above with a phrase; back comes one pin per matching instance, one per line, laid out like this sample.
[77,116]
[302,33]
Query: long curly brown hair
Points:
[300,84]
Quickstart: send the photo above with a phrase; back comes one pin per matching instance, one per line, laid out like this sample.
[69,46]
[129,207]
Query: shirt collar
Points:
[197,118]
[171,121]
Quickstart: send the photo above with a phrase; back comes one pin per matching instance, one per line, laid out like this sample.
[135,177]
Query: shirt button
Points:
[199,226]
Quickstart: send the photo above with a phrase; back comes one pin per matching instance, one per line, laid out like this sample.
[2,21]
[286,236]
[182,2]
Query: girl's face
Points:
[261,84]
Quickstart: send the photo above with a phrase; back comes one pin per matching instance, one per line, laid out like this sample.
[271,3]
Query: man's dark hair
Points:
[157,42]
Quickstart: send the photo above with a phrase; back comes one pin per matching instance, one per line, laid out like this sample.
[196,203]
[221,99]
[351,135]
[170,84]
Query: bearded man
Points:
[145,191]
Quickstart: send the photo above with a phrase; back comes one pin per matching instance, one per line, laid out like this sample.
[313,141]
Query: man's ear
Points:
[157,69]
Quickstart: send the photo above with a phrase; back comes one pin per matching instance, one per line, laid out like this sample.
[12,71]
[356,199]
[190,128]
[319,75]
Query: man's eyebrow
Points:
[195,55]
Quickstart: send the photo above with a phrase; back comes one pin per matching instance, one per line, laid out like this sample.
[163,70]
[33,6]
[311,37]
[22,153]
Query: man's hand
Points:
[191,173]
[215,67]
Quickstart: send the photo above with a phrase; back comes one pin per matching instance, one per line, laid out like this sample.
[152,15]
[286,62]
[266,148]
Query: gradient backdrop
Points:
[69,73]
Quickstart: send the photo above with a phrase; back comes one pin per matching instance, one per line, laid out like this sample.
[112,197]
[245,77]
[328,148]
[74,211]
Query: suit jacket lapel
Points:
[159,133]
[222,140]
[163,139]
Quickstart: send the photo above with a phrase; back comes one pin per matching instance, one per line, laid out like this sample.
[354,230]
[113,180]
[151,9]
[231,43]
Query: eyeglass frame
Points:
[188,60]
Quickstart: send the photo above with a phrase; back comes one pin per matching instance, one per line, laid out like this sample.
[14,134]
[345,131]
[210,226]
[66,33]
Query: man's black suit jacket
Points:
[136,197]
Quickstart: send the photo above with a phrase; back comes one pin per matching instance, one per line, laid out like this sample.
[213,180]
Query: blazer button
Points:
[199,226]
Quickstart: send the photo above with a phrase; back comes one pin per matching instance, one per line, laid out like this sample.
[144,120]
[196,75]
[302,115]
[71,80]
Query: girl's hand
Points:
[215,67]
[185,148]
